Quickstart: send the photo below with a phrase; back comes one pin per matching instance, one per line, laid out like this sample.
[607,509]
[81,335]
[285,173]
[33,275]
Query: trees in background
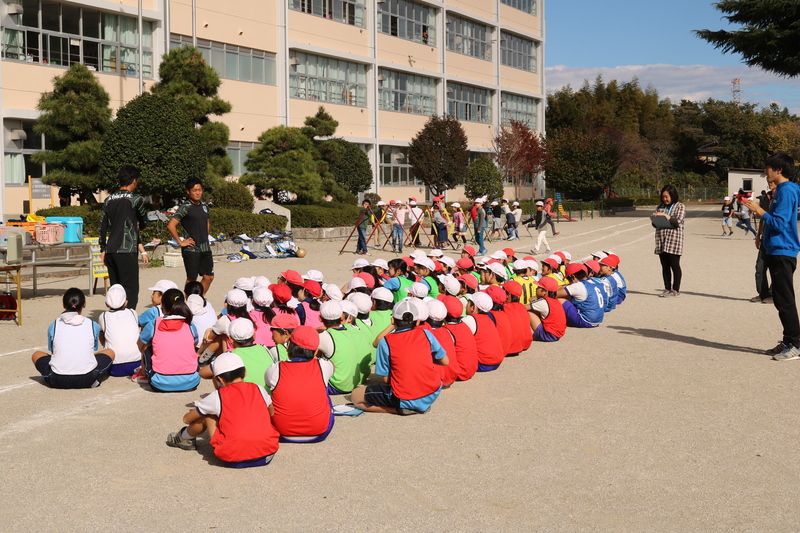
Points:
[439,154]
[483,179]
[75,117]
[520,154]
[582,163]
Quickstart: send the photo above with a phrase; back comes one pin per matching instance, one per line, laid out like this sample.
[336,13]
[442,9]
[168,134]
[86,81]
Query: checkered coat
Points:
[671,240]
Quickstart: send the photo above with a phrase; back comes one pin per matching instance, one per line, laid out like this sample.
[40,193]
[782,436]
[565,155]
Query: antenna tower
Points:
[736,91]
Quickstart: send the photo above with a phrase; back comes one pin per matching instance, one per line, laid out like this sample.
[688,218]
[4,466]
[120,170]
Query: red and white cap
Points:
[305,337]
[548,284]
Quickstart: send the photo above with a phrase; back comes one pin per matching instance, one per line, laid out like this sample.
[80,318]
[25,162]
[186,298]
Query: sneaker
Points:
[139,376]
[665,294]
[730,234]
[790,353]
[175,440]
[547,251]
[724,233]
[676,293]
[556,233]
[767,300]
[755,299]
[776,350]
[535,251]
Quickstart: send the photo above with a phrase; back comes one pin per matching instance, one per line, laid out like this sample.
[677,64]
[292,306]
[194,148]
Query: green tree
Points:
[185,76]
[439,154]
[155,134]
[582,162]
[75,117]
[483,179]
[769,36]
[232,195]
[348,164]
[319,128]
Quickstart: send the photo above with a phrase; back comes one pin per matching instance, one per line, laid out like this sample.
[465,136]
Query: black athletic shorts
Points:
[83,381]
[198,263]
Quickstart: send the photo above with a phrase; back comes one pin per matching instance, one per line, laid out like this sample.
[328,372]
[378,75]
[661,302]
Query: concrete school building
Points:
[380,67]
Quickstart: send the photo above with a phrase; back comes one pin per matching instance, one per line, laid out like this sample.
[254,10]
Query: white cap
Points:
[261,281]
[600,254]
[236,297]
[356,283]
[435,253]
[380,263]
[567,255]
[381,203]
[515,203]
[422,308]
[349,308]
[493,204]
[480,262]
[727,198]
[262,296]
[425,262]
[383,294]
[196,305]
[540,203]
[226,362]
[316,275]
[246,284]
[420,290]
[451,284]
[405,306]
[482,301]
[520,264]
[241,329]
[116,296]
[447,260]
[363,302]
[436,310]
[556,258]
[456,205]
[220,327]
[532,264]
[500,255]
[333,292]
[498,270]
[163,285]
[330,310]
[359,263]
[417,253]
[412,202]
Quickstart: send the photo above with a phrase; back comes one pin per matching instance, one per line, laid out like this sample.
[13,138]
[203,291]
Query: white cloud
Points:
[692,82]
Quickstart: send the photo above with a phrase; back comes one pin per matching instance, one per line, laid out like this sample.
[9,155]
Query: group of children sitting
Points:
[276,353]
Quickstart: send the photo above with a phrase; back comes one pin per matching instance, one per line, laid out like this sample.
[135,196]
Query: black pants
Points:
[781,270]
[124,269]
[762,281]
[671,270]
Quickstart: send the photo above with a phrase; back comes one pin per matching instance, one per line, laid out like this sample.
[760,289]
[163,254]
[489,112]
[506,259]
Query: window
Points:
[69,34]
[328,79]
[17,163]
[518,52]
[407,20]
[527,6]
[348,11]
[233,62]
[394,167]
[238,151]
[521,108]
[407,93]
[469,38]
[469,103]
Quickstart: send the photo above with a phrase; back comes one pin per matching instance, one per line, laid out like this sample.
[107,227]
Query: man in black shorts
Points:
[196,250]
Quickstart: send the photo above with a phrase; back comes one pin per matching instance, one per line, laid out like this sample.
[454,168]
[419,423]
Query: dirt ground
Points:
[667,417]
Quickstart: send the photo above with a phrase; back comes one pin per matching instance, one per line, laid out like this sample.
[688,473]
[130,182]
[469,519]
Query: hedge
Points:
[328,215]
[230,222]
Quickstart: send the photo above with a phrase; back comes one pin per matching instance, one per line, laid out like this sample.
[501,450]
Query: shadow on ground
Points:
[685,293]
[685,339]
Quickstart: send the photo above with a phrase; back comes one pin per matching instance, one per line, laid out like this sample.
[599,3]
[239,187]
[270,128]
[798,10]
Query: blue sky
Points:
[654,41]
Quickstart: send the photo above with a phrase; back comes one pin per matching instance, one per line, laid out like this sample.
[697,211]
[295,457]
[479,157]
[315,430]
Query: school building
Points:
[380,67]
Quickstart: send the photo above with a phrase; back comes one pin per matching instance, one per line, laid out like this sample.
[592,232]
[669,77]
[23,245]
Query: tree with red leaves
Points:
[520,154]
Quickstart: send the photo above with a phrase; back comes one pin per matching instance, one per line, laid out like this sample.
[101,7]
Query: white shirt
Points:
[272,375]
[471,323]
[542,307]
[211,404]
[203,322]
[416,214]
[577,291]
[121,330]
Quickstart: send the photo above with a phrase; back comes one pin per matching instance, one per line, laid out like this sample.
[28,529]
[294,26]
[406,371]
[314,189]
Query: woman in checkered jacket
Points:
[669,241]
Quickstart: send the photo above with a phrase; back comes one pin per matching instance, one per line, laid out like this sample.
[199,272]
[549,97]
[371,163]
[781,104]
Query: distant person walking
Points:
[124,215]
[763,289]
[669,241]
[195,250]
[744,221]
[781,244]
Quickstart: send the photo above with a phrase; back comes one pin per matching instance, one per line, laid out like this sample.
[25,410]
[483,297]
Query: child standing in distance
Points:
[547,317]
[236,416]
[119,332]
[483,327]
[302,408]
[437,312]
[411,382]
[466,360]
[459,225]
[162,286]
[72,339]
[540,223]
[727,216]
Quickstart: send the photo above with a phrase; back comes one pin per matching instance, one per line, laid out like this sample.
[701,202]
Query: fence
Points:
[686,194]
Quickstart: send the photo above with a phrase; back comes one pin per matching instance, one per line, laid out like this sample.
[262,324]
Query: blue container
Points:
[73,232]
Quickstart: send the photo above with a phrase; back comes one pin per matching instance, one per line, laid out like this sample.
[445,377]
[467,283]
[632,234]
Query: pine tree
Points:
[75,117]
[439,154]
[483,179]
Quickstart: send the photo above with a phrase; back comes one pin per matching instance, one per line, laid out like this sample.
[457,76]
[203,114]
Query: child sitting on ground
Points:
[482,326]
[119,332]
[466,360]
[437,312]
[282,328]
[236,416]
[158,289]
[72,340]
[583,299]
[302,408]
[262,315]
[338,345]
[411,382]
[255,356]
[547,318]
[203,314]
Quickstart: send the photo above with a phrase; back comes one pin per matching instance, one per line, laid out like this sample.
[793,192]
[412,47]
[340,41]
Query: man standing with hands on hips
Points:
[196,250]
[781,245]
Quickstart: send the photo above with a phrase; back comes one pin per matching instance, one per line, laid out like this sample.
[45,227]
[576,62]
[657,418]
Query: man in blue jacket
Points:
[781,245]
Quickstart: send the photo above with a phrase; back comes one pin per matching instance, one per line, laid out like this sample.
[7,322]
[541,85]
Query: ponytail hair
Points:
[181,308]
[267,314]
[73,300]
[170,298]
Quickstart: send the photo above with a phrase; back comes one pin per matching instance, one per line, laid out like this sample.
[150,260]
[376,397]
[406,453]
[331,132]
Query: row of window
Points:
[527,6]
[328,79]
[468,37]
[233,62]
[351,12]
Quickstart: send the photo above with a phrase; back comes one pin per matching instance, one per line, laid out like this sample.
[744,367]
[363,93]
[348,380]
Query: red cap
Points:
[313,288]
[281,293]
[572,268]
[285,321]
[437,198]
[529,258]
[513,288]
[471,283]
[490,261]
[412,199]
[470,250]
[611,260]
[292,277]
[465,262]
[551,263]
[453,306]
[594,265]
[509,252]
[305,337]
[409,262]
[368,279]
[497,294]
[437,266]
[561,255]
[548,284]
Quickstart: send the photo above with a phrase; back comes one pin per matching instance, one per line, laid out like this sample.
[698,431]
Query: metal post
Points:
[141,51]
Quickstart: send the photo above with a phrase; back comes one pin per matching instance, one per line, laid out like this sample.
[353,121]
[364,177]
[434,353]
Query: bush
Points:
[373,198]
[610,203]
[233,196]
[328,215]
[90,215]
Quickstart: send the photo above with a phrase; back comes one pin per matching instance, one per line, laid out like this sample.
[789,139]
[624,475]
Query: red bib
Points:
[466,350]
[411,369]
[300,399]
[244,431]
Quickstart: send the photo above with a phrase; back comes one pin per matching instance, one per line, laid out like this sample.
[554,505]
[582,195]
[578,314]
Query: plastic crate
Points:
[30,227]
[50,233]
[173,260]
[73,231]
[5,231]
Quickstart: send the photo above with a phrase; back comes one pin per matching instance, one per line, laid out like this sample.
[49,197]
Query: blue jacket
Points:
[780,224]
